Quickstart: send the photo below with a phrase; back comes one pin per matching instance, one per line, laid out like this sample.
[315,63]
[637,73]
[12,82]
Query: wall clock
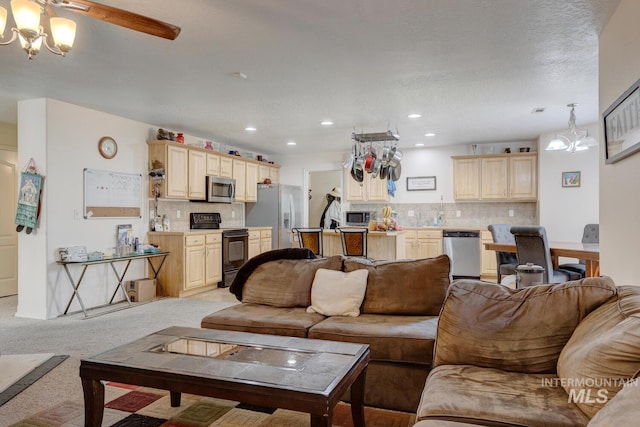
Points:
[108,147]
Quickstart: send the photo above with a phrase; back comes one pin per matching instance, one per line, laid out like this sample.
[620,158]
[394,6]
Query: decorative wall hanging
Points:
[29,198]
[571,179]
[622,125]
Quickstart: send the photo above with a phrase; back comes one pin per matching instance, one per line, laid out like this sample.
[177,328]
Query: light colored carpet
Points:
[15,366]
[79,337]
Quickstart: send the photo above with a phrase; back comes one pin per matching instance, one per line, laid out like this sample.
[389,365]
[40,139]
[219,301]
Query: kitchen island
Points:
[382,245]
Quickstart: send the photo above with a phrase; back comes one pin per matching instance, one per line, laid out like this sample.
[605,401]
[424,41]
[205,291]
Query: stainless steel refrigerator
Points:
[279,206]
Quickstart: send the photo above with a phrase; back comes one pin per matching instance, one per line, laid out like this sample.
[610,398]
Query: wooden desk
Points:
[590,252]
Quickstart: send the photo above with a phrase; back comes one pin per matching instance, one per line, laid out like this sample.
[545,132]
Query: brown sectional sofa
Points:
[550,355]
[398,316]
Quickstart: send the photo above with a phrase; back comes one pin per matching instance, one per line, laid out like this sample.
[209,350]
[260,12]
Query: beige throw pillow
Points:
[335,293]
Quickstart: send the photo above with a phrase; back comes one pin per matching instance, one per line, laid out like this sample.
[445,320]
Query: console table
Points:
[112,261]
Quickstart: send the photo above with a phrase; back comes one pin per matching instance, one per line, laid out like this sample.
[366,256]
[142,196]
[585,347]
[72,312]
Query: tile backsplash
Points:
[471,214]
[232,214]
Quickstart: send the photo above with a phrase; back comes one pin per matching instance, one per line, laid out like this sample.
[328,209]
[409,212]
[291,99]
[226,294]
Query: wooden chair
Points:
[354,241]
[310,238]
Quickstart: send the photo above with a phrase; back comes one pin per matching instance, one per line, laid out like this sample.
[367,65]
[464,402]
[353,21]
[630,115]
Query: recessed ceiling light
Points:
[420,144]
[537,110]
[250,129]
[326,123]
[430,134]
[291,143]
[239,75]
[414,116]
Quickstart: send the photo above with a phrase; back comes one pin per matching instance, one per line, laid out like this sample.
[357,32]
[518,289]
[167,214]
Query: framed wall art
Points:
[622,125]
[571,179]
[421,183]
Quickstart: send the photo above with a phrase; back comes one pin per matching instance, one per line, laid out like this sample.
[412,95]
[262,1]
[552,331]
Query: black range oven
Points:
[235,244]
[235,252]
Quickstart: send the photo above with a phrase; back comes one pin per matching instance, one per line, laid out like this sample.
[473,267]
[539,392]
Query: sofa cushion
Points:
[620,411]
[336,293]
[523,330]
[603,352]
[466,393]
[286,282]
[263,319]
[407,339]
[410,287]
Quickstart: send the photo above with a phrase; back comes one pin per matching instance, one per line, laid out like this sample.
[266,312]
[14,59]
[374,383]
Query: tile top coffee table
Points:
[300,374]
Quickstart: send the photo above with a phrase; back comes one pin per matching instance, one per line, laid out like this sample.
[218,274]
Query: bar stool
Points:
[354,241]
[310,238]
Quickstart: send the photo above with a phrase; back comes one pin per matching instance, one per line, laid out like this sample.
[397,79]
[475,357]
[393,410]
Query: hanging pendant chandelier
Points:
[31,34]
[573,139]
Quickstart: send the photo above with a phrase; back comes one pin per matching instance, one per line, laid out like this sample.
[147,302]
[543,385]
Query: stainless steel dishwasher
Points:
[463,248]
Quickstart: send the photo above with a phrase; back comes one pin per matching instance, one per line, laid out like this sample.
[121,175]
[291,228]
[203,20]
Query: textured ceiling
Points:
[474,69]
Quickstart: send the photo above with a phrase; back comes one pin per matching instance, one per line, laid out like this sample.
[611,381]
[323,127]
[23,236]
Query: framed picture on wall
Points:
[420,183]
[571,179]
[622,125]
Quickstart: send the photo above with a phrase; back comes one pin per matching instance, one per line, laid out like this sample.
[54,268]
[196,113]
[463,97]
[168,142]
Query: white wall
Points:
[8,134]
[619,190]
[565,210]
[62,138]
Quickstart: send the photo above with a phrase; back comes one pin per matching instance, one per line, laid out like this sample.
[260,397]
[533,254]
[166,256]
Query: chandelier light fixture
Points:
[27,14]
[572,139]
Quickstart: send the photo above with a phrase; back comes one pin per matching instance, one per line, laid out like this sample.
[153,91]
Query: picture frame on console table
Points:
[421,183]
[622,125]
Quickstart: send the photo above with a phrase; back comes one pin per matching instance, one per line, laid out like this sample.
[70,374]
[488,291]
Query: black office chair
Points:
[310,238]
[591,234]
[506,261]
[354,241]
[532,246]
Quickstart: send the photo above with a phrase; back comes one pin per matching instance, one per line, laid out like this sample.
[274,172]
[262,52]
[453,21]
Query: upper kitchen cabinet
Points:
[370,190]
[213,164]
[466,178]
[240,175]
[197,175]
[226,167]
[174,160]
[496,177]
[251,178]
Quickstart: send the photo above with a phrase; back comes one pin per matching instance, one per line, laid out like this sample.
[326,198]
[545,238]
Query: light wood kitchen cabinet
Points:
[523,177]
[494,173]
[264,172]
[197,175]
[466,178]
[254,243]
[194,264]
[265,241]
[370,190]
[213,164]
[275,174]
[421,243]
[488,258]
[496,177]
[226,167]
[175,162]
[213,256]
[240,175]
[251,179]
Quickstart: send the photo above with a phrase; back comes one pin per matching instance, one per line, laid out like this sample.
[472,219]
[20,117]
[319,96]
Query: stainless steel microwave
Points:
[221,190]
[357,218]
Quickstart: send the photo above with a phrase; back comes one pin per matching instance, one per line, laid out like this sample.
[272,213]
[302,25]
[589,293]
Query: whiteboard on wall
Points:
[112,194]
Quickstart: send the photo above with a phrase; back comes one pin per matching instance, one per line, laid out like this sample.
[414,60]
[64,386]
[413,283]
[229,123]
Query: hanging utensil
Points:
[395,173]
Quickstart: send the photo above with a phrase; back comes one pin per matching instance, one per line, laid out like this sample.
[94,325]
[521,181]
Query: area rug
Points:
[19,371]
[128,406]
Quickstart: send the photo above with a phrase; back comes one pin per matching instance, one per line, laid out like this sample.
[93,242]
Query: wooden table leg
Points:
[175,398]
[321,420]
[357,400]
[93,391]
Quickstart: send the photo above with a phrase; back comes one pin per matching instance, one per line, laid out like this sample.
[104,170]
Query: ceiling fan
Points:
[116,16]
[60,33]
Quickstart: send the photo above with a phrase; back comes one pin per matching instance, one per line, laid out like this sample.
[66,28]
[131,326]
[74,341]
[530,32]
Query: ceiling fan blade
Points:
[126,19]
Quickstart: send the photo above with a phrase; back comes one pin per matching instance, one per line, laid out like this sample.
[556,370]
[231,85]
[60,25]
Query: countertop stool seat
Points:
[310,238]
[354,241]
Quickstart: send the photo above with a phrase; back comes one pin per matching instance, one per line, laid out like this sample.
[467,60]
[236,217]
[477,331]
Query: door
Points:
[8,234]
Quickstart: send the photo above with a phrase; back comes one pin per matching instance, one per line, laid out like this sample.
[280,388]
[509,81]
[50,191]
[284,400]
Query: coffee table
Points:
[300,374]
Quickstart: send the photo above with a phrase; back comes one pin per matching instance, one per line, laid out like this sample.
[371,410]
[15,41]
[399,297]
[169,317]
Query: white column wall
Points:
[619,191]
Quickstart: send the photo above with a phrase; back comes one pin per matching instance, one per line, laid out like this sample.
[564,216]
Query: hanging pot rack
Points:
[375,153]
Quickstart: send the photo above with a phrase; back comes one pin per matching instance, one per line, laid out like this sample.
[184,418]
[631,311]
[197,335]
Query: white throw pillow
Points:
[336,293]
